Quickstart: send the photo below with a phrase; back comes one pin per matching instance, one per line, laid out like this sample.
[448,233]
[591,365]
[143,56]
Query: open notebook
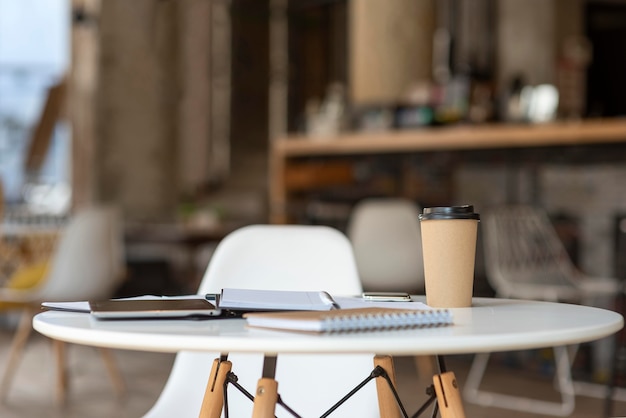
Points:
[229,303]
[275,300]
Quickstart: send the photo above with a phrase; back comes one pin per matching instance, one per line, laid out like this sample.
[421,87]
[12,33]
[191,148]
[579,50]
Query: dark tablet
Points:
[152,308]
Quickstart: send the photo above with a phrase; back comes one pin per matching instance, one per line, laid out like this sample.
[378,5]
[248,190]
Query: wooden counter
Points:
[458,137]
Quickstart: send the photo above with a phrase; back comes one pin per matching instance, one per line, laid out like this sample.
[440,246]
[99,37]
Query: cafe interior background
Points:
[169,111]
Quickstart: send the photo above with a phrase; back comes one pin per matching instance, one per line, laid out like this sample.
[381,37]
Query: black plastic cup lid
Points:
[449,212]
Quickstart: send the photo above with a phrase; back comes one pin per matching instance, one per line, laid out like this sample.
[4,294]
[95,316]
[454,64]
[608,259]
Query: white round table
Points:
[490,325]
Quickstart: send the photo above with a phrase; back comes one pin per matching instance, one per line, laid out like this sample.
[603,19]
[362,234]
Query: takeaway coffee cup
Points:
[449,250]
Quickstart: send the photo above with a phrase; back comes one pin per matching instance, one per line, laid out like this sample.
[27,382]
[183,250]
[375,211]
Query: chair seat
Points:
[600,286]
[542,292]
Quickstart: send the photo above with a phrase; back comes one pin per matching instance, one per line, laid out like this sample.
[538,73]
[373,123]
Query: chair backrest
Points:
[287,257]
[524,257]
[386,236]
[88,259]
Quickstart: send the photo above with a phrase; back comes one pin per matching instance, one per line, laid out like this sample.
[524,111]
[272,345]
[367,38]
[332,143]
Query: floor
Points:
[91,394]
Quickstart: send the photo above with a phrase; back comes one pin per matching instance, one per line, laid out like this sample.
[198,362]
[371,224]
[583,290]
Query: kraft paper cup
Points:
[449,250]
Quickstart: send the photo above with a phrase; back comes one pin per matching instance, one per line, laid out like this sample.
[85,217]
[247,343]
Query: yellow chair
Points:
[86,264]
[26,277]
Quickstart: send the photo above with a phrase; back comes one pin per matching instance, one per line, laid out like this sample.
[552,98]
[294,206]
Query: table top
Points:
[490,325]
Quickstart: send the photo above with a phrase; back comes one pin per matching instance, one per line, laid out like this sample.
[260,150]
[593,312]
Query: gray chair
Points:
[525,259]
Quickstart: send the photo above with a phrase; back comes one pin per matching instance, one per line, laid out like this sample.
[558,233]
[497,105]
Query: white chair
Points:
[525,259]
[386,237]
[385,234]
[278,257]
[86,264]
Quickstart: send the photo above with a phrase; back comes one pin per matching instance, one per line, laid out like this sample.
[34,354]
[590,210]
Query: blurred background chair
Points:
[86,263]
[387,241]
[385,234]
[278,257]
[525,259]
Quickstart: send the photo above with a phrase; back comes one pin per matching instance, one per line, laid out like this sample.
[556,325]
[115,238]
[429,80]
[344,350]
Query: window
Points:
[34,55]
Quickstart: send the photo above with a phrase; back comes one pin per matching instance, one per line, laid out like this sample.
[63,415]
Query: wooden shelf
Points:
[460,137]
[452,138]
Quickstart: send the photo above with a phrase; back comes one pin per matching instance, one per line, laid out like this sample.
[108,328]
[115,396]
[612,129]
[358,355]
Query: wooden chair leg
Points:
[62,379]
[15,352]
[114,372]
[265,398]
[213,401]
[387,404]
[448,395]
[425,366]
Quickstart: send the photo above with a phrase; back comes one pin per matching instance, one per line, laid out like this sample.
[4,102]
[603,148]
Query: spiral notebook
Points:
[342,320]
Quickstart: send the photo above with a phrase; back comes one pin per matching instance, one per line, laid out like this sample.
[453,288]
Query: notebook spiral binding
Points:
[386,320]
